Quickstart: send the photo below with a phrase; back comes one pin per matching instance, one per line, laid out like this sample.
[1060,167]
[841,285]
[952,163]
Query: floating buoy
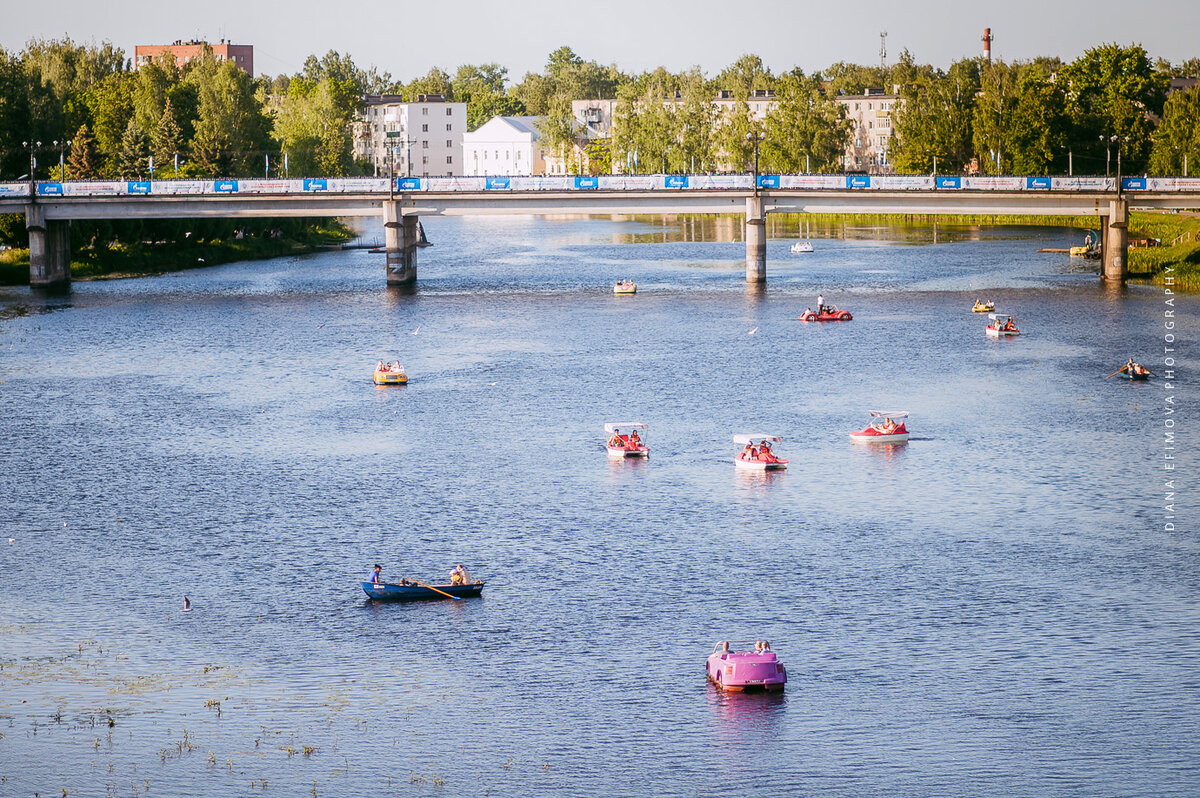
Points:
[187,604]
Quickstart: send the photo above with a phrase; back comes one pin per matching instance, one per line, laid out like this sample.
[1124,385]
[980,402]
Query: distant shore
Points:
[1178,234]
[144,259]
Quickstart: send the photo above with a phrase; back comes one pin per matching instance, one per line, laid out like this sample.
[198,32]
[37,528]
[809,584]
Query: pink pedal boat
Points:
[738,671]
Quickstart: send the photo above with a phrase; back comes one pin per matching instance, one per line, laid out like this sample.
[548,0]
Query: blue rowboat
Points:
[1136,377]
[386,592]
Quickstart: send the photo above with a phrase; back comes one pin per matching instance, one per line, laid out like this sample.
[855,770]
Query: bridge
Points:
[50,207]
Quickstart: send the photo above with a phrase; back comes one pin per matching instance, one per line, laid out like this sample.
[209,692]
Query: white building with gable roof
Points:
[505,145]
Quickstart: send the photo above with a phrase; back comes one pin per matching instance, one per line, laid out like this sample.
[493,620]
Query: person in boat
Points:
[456,575]
[820,303]
[747,451]
[379,366]
[635,440]
[889,426]
[377,575]
[1008,324]
[765,454]
[615,440]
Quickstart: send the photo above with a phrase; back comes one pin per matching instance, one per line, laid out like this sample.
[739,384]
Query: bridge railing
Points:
[380,185]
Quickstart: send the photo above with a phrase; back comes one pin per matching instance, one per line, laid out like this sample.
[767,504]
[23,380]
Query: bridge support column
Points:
[49,249]
[756,241]
[400,241]
[1116,241]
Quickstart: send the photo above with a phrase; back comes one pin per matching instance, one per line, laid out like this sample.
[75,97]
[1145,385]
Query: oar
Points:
[435,590]
[1115,373]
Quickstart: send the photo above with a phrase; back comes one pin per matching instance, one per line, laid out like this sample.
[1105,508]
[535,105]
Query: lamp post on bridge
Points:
[62,165]
[32,146]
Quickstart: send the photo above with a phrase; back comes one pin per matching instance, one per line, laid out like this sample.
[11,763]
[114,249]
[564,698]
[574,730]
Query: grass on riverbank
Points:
[1179,251]
[143,258]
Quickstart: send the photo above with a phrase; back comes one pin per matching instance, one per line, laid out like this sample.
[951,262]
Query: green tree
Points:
[83,163]
[312,124]
[736,136]
[805,130]
[993,116]
[133,154]
[1112,93]
[14,117]
[934,120]
[231,130]
[435,81]
[1178,136]
[111,106]
[1038,131]
[166,139]
[745,76]
[558,128]
[695,119]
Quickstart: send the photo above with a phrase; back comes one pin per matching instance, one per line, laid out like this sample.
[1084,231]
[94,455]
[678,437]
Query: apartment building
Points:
[242,55]
[871,131]
[423,137]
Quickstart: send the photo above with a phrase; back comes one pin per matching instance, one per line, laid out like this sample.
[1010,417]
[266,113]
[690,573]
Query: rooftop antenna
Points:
[882,50]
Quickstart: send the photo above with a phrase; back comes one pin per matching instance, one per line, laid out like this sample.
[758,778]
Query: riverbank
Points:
[145,258]
[1179,251]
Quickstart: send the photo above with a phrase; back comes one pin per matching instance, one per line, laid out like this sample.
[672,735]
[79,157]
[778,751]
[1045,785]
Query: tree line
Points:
[208,118]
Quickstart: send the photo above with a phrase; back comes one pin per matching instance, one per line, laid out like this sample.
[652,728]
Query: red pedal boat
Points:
[826,313]
[630,444]
[883,428]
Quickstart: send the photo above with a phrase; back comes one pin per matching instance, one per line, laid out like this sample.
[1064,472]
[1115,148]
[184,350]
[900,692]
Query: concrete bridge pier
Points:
[756,241]
[1116,241]
[400,241]
[49,249]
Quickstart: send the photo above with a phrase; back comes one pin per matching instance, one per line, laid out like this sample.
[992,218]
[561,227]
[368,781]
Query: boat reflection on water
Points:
[751,479]
[888,452]
[746,718]
[622,465]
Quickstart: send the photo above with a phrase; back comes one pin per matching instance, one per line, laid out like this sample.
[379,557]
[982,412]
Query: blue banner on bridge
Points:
[408,184]
[1037,182]
[768,181]
[948,181]
[590,181]
[225,186]
[138,186]
[858,181]
[496,182]
[675,181]
[50,189]
[316,184]
[1133,183]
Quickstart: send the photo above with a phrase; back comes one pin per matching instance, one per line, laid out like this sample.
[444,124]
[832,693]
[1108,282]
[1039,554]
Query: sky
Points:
[407,38]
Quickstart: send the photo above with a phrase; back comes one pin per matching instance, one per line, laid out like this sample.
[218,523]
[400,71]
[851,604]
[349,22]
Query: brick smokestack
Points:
[987,44]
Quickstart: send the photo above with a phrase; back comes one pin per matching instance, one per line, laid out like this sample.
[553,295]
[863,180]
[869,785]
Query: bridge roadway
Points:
[48,217]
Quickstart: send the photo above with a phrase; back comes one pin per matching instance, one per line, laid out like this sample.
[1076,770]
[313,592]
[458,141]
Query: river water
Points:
[1000,607]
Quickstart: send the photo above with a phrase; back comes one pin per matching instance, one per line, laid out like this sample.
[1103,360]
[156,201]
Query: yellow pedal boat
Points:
[625,287]
[391,376]
[983,307]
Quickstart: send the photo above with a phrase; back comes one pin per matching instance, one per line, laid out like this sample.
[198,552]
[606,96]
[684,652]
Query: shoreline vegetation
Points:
[146,258]
[1179,250]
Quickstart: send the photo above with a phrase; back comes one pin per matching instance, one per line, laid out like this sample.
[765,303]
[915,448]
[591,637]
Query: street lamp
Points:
[1107,154]
[62,167]
[32,146]
[755,137]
